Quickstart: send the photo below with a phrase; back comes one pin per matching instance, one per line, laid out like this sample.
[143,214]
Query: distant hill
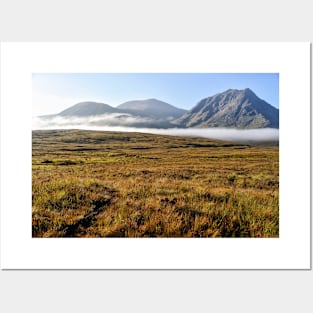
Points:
[152,108]
[233,109]
[88,109]
[151,113]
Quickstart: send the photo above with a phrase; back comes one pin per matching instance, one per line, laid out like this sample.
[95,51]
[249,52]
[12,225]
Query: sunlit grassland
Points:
[111,184]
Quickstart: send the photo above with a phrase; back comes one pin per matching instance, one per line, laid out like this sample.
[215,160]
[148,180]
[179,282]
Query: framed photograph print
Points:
[155,155]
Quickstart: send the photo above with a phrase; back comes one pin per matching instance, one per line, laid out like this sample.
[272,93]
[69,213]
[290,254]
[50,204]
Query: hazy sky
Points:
[53,93]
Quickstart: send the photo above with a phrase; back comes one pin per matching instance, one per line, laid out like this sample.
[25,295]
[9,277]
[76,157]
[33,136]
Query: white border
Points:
[20,251]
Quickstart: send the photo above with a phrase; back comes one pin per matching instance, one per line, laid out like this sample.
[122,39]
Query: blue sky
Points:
[53,93]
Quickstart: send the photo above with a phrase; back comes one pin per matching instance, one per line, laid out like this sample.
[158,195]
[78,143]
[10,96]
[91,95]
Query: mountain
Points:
[88,109]
[230,109]
[151,113]
[233,109]
[152,108]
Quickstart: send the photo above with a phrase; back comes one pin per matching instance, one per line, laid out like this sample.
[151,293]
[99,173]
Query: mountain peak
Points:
[232,108]
[232,90]
[151,107]
[153,100]
[248,91]
[87,108]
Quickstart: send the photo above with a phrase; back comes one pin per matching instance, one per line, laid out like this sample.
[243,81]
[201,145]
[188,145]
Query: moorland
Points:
[118,184]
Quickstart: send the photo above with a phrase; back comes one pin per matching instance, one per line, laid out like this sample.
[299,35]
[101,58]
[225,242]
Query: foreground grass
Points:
[110,184]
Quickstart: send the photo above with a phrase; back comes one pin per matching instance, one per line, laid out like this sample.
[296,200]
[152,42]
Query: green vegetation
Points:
[112,184]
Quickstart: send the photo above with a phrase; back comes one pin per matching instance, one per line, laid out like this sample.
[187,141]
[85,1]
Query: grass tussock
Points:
[107,184]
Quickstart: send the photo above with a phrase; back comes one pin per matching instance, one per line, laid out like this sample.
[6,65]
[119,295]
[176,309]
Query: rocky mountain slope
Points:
[232,108]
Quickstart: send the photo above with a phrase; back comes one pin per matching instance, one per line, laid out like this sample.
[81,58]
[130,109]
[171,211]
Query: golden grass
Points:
[106,184]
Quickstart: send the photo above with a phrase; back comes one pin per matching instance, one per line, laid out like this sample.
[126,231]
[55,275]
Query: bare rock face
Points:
[233,109]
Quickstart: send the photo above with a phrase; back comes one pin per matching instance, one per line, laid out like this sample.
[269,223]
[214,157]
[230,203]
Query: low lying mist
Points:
[129,123]
[112,119]
[236,135]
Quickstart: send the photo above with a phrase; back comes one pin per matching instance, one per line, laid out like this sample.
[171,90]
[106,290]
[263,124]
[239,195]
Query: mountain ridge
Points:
[232,108]
[87,108]
[153,108]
